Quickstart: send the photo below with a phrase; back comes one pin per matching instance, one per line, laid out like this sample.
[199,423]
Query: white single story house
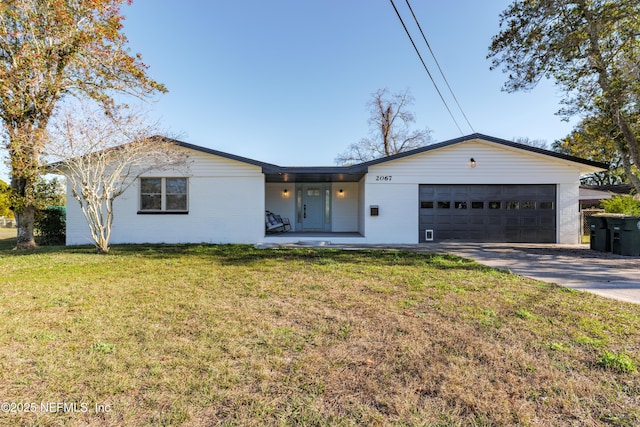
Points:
[474,188]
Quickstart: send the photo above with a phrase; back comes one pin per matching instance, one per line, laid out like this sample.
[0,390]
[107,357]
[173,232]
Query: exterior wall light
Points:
[341,193]
[472,162]
[285,193]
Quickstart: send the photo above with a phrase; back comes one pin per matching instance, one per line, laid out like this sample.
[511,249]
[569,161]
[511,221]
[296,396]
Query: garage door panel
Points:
[489,191]
[547,222]
[443,220]
[460,191]
[494,220]
[510,191]
[460,220]
[427,219]
[427,193]
[491,213]
[476,220]
[512,235]
[474,236]
[529,234]
[512,221]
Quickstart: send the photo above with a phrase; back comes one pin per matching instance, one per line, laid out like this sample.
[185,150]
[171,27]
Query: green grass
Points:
[231,335]
[618,362]
[7,234]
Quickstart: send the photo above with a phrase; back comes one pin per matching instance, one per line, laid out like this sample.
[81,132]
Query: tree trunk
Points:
[25,220]
[386,130]
[626,165]
[614,98]
[631,145]
[25,212]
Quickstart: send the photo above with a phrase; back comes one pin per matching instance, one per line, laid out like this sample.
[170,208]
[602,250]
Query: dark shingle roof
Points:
[490,139]
[277,173]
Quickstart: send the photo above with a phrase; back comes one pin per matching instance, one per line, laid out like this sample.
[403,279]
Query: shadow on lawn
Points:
[248,255]
[244,255]
[7,244]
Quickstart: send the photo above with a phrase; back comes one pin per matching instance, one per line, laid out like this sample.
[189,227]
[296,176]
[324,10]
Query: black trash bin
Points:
[600,239]
[625,235]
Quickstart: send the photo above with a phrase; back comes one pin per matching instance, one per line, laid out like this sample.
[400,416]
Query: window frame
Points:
[163,197]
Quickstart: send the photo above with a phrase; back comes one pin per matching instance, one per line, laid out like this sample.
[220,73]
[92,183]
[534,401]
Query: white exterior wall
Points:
[225,201]
[568,214]
[344,209]
[227,198]
[279,203]
[397,220]
[361,204]
[77,230]
[394,185]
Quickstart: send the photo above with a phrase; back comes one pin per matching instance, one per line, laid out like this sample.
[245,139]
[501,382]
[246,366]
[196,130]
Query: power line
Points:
[438,65]
[425,67]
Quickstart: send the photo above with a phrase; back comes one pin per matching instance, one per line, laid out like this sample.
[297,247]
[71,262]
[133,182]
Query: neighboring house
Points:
[592,195]
[474,188]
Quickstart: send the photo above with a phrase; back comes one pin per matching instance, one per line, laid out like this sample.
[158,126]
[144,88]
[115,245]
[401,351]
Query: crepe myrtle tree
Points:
[101,155]
[590,48]
[50,49]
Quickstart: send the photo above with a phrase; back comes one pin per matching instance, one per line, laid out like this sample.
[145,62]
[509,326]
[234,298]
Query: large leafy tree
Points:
[47,193]
[5,200]
[50,49]
[598,138]
[591,48]
[390,129]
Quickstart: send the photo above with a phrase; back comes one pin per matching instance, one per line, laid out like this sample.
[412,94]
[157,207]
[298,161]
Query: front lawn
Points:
[232,335]
[7,233]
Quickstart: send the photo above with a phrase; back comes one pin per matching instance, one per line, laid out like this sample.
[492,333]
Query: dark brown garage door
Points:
[488,213]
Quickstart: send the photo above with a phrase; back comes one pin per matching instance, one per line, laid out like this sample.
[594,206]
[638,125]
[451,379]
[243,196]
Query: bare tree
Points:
[102,155]
[537,143]
[389,124]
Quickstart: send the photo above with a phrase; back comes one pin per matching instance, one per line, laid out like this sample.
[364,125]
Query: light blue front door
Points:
[313,207]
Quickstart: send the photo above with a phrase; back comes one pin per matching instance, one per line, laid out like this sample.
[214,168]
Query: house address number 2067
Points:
[383,178]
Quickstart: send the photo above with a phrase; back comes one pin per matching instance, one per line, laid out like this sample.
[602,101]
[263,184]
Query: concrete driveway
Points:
[574,266]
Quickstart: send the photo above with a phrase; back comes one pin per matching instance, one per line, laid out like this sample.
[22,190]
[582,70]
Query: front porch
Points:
[318,207]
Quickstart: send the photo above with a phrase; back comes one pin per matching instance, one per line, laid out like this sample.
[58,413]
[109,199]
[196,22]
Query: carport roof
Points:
[316,174]
[354,173]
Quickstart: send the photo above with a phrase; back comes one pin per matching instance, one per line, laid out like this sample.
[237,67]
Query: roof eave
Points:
[592,165]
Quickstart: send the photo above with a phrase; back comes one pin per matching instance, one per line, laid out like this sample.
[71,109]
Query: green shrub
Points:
[622,204]
[50,225]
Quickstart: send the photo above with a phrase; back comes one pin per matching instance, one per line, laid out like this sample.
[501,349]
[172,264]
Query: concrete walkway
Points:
[574,266]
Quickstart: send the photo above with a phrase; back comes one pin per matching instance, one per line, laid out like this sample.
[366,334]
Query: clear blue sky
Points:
[287,81]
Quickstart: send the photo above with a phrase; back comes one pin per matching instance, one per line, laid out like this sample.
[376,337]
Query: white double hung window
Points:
[164,195]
